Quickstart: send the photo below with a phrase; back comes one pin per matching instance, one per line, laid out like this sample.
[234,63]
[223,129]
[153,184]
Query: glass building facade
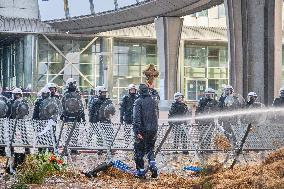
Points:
[130,58]
[117,62]
[204,66]
[77,60]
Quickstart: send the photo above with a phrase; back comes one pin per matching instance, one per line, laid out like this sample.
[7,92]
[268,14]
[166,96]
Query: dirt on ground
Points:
[269,174]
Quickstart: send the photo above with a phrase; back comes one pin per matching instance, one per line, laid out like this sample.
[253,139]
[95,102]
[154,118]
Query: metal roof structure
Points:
[138,14]
[188,33]
[24,25]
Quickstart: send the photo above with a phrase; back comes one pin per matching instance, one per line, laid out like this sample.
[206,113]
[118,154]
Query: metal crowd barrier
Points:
[37,134]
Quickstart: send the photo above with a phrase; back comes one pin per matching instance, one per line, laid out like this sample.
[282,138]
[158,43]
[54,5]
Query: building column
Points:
[255,46]
[168,32]
[19,64]
[29,59]
[106,67]
[6,62]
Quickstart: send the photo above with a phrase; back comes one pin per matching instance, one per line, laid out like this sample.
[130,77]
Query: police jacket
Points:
[37,108]
[178,110]
[72,106]
[253,105]
[234,100]
[19,108]
[126,108]
[5,107]
[207,105]
[98,111]
[278,102]
[145,115]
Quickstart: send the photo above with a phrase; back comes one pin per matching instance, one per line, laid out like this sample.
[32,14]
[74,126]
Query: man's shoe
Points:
[153,169]
[140,174]
[89,174]
[154,174]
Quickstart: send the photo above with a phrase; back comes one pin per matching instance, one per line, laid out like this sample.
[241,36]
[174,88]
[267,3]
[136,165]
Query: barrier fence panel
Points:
[33,133]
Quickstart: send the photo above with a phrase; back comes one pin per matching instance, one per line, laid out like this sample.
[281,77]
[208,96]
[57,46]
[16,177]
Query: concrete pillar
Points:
[168,31]
[180,82]
[19,64]
[254,30]
[106,71]
[29,59]
[6,61]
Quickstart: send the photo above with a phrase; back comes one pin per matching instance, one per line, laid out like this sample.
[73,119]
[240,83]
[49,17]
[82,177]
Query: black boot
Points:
[102,167]
[2,151]
[19,159]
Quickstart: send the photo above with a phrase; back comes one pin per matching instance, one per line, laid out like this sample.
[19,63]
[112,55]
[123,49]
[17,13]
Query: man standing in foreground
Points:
[145,127]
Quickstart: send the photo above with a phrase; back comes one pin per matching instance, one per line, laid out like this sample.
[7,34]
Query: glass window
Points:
[129,60]
[195,56]
[51,62]
[204,66]
[217,73]
[221,11]
[195,89]
[213,57]
[203,13]
[195,72]
[217,84]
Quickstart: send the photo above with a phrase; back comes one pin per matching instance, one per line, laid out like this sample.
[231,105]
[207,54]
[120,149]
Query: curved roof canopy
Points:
[138,14]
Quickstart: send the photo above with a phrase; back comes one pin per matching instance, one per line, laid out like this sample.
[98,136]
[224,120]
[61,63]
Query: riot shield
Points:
[50,109]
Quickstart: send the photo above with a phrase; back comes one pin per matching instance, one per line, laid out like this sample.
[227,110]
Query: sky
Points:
[53,9]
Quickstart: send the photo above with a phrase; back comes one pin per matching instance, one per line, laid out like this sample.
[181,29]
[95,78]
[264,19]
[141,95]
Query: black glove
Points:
[62,117]
[83,119]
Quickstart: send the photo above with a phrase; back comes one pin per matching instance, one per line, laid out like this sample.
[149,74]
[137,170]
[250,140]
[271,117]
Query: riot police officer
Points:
[19,105]
[126,106]
[251,101]
[179,110]
[279,101]
[4,113]
[72,104]
[40,113]
[101,108]
[145,127]
[229,100]
[53,89]
[19,109]
[44,93]
[72,109]
[208,103]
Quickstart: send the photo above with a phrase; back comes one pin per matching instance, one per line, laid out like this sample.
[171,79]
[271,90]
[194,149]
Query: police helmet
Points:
[100,89]
[178,95]
[52,85]
[17,91]
[281,92]
[44,90]
[132,86]
[70,81]
[252,94]
[209,93]
[229,90]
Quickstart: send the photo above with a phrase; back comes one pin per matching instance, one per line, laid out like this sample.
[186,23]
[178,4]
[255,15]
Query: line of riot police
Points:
[50,106]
